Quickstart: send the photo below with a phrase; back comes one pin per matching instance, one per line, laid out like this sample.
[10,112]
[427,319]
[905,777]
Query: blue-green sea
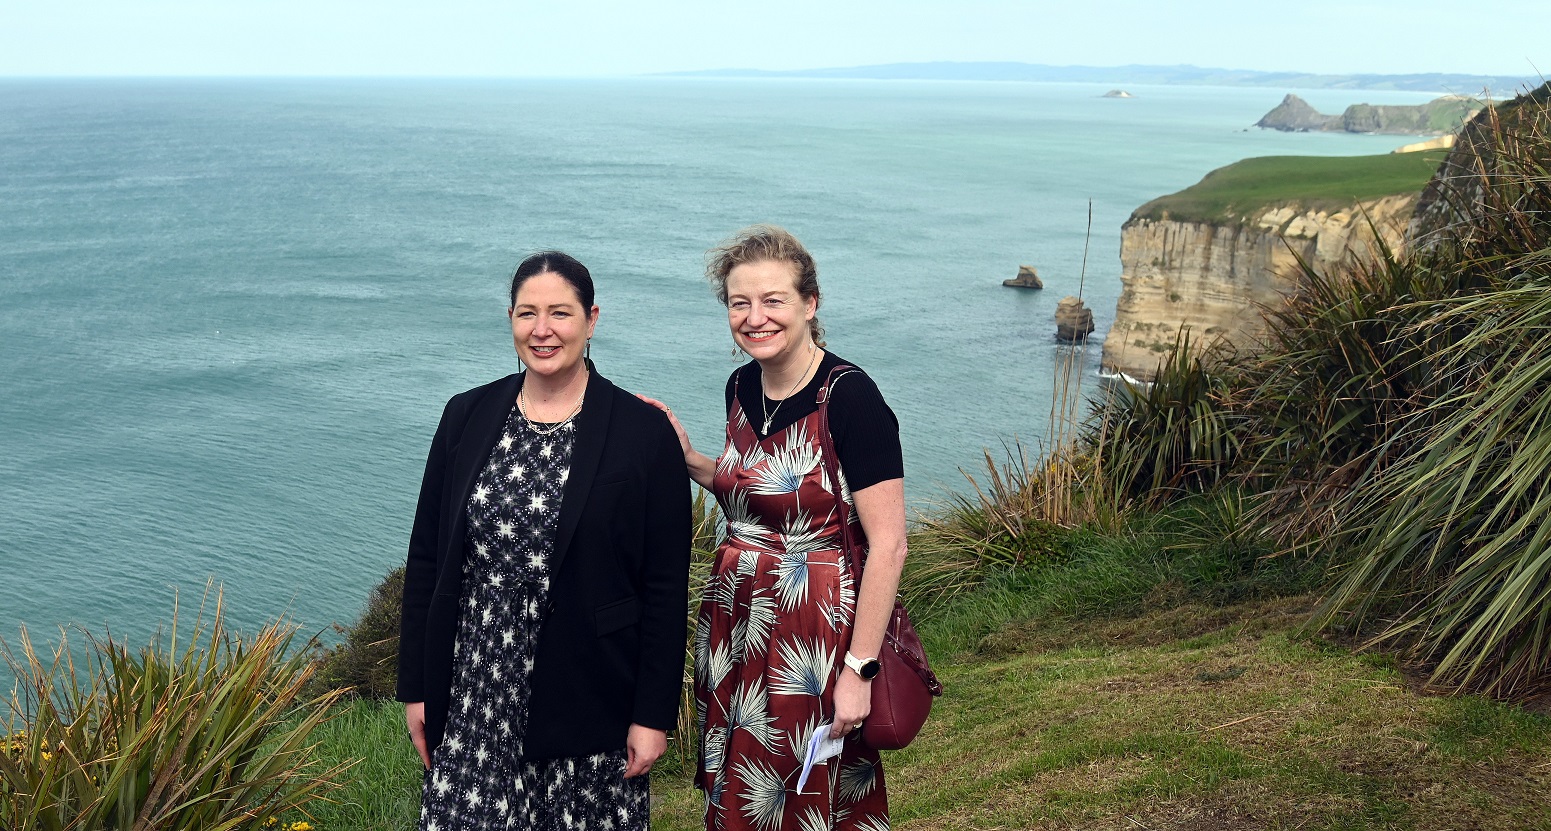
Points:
[231,310]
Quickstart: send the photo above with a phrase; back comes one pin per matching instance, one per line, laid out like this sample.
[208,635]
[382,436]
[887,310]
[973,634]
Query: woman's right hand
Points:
[674,420]
[701,467]
[414,716]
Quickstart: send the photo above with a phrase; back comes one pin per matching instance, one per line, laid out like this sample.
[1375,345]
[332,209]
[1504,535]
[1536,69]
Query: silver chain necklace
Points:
[762,399]
[522,407]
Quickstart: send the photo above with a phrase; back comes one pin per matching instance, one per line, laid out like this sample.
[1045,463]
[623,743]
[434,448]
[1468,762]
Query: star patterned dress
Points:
[773,626]
[479,780]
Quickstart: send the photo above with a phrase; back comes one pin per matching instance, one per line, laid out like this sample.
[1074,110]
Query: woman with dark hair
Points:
[541,649]
[787,641]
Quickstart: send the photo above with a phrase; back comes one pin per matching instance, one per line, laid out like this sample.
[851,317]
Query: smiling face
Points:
[767,315]
[550,327]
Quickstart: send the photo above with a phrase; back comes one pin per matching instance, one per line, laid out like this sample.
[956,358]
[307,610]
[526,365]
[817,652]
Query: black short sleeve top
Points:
[866,432]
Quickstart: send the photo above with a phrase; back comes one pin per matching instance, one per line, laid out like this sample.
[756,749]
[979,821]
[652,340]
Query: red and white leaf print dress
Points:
[773,628]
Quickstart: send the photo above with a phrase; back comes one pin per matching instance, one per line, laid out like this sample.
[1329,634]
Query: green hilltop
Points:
[1232,194]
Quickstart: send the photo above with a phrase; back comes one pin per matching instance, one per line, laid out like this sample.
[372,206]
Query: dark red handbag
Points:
[905,685]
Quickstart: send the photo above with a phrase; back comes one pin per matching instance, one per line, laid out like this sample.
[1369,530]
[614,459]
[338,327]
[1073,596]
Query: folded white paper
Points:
[820,747]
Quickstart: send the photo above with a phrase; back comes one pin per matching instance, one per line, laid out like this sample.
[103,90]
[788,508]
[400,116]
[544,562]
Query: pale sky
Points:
[520,38]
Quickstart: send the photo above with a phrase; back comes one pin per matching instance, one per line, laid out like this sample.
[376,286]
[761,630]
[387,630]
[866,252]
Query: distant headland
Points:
[1500,85]
[1440,116]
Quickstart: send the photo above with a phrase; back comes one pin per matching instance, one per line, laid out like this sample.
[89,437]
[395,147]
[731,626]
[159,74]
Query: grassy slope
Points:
[1200,718]
[1191,718]
[1232,193]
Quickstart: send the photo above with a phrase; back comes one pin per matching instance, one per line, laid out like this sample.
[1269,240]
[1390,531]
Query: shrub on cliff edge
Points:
[366,660]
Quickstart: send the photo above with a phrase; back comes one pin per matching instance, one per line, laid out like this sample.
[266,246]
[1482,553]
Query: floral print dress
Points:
[478,779]
[773,628]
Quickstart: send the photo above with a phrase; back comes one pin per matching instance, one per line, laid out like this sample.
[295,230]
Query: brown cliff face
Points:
[1212,280]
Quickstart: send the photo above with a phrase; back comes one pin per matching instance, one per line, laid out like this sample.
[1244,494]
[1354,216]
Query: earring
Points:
[587,350]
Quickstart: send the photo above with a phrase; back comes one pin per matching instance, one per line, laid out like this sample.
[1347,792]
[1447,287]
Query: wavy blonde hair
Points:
[759,243]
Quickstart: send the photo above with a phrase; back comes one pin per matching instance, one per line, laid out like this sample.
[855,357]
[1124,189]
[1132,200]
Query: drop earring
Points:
[587,350]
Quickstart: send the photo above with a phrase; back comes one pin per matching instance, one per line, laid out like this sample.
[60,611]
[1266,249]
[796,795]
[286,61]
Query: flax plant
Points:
[1452,541]
[1457,534]
[1174,436]
[1332,401]
[201,730]
[706,535]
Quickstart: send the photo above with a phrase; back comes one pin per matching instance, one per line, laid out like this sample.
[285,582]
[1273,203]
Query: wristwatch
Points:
[865,667]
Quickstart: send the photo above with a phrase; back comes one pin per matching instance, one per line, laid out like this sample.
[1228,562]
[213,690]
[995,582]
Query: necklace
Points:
[772,414]
[522,407]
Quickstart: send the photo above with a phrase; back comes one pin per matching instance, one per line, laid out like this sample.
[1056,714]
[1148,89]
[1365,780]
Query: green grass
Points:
[1103,726]
[1242,189]
[1196,715]
[383,788]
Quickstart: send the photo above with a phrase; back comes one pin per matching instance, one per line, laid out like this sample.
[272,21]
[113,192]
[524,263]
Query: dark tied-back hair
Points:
[556,262]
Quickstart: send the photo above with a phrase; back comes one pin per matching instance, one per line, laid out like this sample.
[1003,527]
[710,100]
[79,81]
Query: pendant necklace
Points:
[522,407]
[762,399]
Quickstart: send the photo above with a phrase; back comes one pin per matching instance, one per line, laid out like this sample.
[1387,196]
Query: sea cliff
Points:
[1207,260]
[1212,278]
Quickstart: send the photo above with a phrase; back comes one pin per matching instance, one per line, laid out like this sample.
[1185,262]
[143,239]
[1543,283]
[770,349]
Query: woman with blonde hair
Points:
[787,642]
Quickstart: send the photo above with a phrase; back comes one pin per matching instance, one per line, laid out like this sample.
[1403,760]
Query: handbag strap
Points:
[898,618]
[856,556]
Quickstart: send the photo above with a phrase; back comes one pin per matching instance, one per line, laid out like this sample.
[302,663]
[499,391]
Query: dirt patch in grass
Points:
[1187,817]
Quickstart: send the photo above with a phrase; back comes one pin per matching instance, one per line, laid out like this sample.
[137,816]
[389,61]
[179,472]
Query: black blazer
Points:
[611,647]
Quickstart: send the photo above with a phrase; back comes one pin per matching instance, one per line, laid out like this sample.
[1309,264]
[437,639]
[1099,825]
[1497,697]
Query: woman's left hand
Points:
[643,746]
[853,702]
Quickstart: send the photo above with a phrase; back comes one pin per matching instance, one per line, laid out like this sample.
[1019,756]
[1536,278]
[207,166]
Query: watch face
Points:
[869,669]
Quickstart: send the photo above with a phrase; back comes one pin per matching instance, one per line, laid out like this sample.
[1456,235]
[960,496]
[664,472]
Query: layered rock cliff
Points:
[1212,279]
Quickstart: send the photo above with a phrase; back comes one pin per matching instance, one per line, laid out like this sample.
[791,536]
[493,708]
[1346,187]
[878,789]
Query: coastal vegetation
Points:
[1232,194]
[1311,589]
[1395,430]
[201,729]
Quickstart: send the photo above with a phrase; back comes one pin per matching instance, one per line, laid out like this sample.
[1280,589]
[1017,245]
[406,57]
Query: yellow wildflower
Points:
[299,826]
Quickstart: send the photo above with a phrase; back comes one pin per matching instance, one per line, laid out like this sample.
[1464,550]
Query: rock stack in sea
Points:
[1027,278]
[1074,320]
